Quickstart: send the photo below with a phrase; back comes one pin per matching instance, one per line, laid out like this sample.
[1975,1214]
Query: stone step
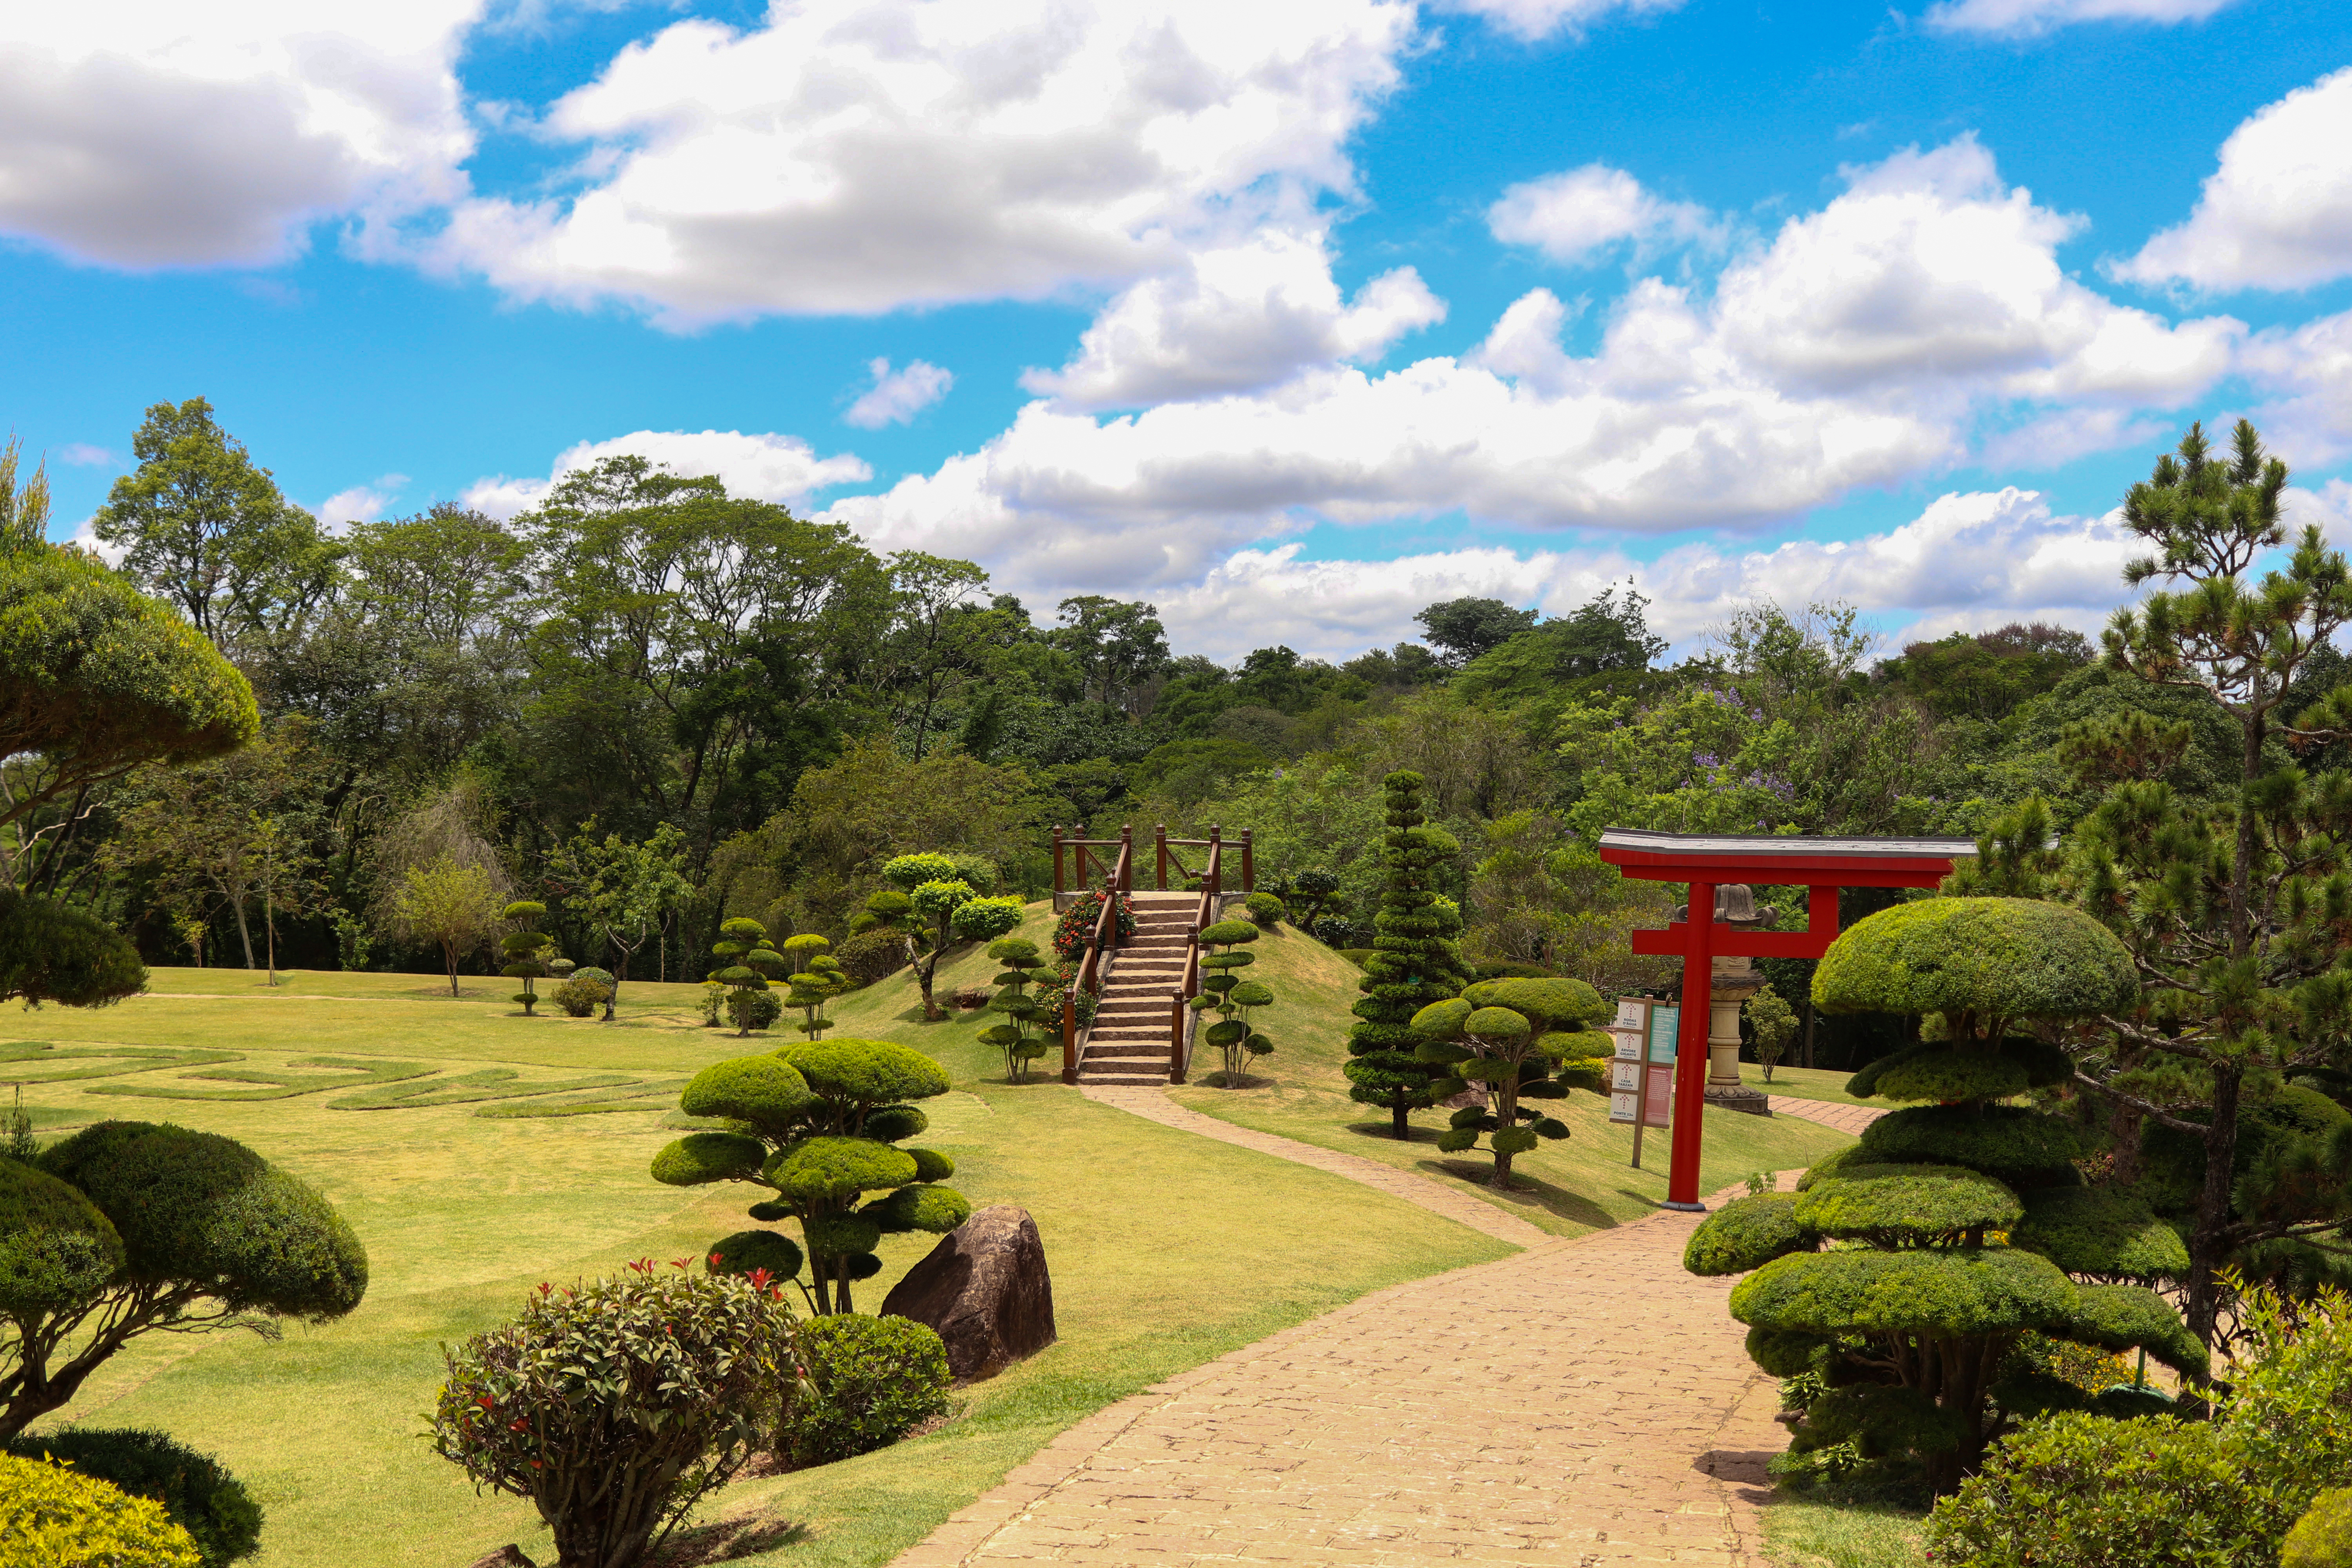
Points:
[1123,1050]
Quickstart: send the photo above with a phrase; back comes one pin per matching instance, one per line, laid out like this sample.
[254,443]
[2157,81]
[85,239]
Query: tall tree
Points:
[23,510]
[943,637]
[202,523]
[2234,915]
[1415,961]
[623,889]
[1463,629]
[1117,642]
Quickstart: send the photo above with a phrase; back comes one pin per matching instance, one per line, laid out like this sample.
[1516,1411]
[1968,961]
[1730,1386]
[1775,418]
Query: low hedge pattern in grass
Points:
[280,1082]
[128,1059]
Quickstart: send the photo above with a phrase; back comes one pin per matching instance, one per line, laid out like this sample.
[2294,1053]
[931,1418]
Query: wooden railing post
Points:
[1214,886]
[1176,1037]
[1249,867]
[1126,858]
[1058,884]
[1159,842]
[1070,1035]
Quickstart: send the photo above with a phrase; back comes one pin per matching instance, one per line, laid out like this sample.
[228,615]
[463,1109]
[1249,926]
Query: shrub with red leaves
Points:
[1077,923]
[614,1406]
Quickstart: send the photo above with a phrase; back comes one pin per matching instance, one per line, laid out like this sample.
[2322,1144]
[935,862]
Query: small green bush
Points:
[714,1001]
[2078,1490]
[986,919]
[875,1379]
[755,1009]
[581,995]
[196,1492]
[1746,1233]
[590,972]
[2321,1538]
[874,955]
[1264,909]
[51,1515]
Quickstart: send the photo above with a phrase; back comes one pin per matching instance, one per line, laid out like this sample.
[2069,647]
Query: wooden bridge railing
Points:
[1079,862]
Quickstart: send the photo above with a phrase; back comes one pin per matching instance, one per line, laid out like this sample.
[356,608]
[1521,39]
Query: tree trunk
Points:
[243,930]
[620,973]
[1397,1109]
[449,951]
[2208,1242]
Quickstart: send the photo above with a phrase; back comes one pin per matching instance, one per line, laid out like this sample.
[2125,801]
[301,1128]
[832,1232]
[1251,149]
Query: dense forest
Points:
[645,670]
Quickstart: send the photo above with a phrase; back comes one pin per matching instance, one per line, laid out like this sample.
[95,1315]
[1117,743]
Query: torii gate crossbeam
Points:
[1708,861]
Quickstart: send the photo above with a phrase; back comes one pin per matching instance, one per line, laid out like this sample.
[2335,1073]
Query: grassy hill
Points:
[468,1202]
[1572,1186]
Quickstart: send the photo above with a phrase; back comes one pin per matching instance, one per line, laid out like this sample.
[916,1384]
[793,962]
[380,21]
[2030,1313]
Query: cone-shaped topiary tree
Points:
[744,944]
[1912,1274]
[1232,997]
[1509,1036]
[817,1124]
[815,980]
[1018,1037]
[525,948]
[1415,961]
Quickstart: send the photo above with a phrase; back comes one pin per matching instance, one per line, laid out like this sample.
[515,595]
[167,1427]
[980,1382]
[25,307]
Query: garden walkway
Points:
[1583,1404]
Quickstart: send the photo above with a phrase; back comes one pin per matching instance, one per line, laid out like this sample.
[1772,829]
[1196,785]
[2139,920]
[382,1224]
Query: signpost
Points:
[1642,1073]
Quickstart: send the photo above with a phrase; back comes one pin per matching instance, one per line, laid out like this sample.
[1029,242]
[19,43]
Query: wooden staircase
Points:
[1132,1039]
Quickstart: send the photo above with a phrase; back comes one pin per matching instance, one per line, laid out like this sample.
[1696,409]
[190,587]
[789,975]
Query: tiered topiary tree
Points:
[526,950]
[744,944]
[1232,998]
[816,1124]
[815,980]
[1910,1275]
[1416,960]
[126,1228]
[1510,1037]
[1018,1037]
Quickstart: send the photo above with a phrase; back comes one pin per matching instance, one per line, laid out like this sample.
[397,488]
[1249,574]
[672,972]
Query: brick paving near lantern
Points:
[1584,1403]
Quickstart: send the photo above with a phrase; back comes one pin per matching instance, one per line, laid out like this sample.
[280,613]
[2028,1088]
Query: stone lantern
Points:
[1734,980]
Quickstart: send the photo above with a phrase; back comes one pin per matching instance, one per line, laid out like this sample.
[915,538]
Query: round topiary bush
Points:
[590,972]
[1264,909]
[755,1009]
[581,995]
[986,919]
[196,1493]
[874,955]
[875,1379]
[49,1514]
[1979,962]
[56,1248]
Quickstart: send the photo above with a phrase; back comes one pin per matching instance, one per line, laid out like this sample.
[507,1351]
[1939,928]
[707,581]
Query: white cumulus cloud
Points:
[2277,213]
[897,396]
[1235,319]
[848,156]
[1572,215]
[2023,18]
[762,466]
[1533,19]
[150,135]
[83,455]
[361,503]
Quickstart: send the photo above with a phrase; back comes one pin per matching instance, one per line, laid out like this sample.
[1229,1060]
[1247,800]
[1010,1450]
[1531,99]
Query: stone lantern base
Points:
[1736,980]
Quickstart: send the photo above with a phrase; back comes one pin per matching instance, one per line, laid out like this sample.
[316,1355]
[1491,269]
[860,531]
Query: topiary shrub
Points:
[873,1380]
[1913,1279]
[129,1226]
[2321,1538]
[526,949]
[1416,959]
[1746,1234]
[1264,909]
[986,919]
[817,978]
[50,1515]
[615,1406]
[1018,1037]
[816,1124]
[581,995]
[743,945]
[937,893]
[590,972]
[1230,998]
[196,1493]
[875,955]
[1508,1037]
[753,1011]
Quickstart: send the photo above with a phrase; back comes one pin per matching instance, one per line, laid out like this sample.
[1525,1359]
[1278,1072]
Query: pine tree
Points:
[1415,961]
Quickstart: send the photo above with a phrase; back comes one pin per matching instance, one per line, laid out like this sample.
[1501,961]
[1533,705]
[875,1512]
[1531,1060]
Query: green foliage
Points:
[52,1514]
[866,1072]
[1746,1234]
[615,1406]
[1416,959]
[2102,1232]
[874,955]
[2012,1144]
[1264,909]
[834,1170]
[1076,926]
[779,1256]
[58,1251]
[1505,1034]
[1773,1023]
[1950,1073]
[2321,1538]
[580,997]
[196,1493]
[872,1381]
[1231,998]
[52,954]
[1979,962]
[909,873]
[764,1089]
[700,1159]
[1020,1037]
[986,919]
[2075,1491]
[1907,1205]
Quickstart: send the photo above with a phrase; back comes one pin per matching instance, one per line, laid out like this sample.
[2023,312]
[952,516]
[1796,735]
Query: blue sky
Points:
[1288,319]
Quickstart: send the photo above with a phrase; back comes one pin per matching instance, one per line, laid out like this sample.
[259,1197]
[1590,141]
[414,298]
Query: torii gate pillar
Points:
[1708,862]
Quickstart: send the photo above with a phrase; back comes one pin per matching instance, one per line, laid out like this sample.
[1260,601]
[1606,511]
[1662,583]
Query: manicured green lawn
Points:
[1805,1083]
[1161,1244]
[1581,1184]
[1806,1534]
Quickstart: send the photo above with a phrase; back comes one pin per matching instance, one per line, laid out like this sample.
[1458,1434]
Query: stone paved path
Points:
[1581,1405]
[1152,1102]
[1850,1119]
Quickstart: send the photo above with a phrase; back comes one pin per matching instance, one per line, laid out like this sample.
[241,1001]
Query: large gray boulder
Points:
[985,1290]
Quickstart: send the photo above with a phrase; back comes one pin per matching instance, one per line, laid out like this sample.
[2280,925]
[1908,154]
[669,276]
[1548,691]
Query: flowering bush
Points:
[1077,923]
[614,1406]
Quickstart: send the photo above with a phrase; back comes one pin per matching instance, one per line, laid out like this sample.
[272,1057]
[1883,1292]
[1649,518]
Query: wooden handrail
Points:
[1102,940]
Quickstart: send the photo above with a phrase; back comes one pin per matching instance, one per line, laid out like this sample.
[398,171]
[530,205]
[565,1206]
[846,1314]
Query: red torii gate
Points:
[1708,861]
